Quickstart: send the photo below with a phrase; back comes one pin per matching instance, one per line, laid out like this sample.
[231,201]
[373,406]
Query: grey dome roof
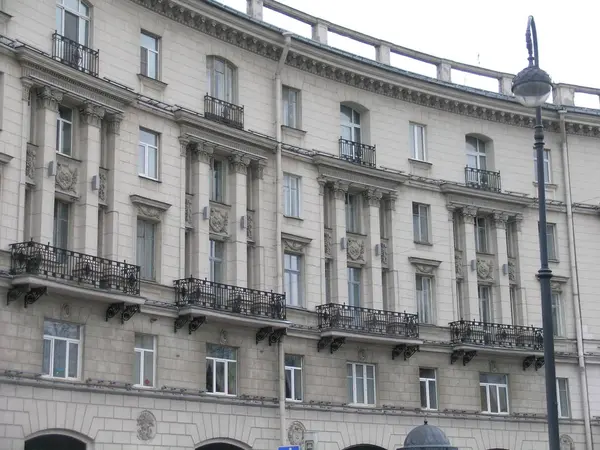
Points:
[427,436]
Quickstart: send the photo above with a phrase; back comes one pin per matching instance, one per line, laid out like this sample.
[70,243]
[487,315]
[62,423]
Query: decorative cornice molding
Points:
[150,208]
[333,169]
[424,266]
[294,243]
[5,158]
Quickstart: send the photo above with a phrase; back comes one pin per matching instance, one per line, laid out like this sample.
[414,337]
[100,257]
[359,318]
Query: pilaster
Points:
[237,247]
[391,253]
[372,201]
[258,224]
[112,248]
[470,293]
[184,148]
[502,301]
[339,282]
[201,187]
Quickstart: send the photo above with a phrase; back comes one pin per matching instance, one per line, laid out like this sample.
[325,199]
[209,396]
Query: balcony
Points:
[357,153]
[75,55]
[340,322]
[39,269]
[223,112]
[470,337]
[482,179]
[231,304]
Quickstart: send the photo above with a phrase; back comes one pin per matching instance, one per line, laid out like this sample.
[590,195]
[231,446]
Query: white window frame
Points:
[292,298]
[226,363]
[426,382]
[484,295]
[353,212]
[354,280]
[498,387]
[418,136]
[143,352]
[142,260]
[420,230]
[60,130]
[291,107]
[514,305]
[52,339]
[229,79]
[218,174]
[353,124]
[352,379]
[481,223]
[150,51]
[215,260]
[424,294]
[58,220]
[292,194]
[479,152]
[551,240]
[146,148]
[558,314]
[82,18]
[547,167]
[564,408]
[292,370]
[511,239]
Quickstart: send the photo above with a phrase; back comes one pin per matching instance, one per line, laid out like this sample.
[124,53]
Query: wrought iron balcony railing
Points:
[224,112]
[226,298]
[482,179]
[357,153]
[496,335]
[33,258]
[333,316]
[75,54]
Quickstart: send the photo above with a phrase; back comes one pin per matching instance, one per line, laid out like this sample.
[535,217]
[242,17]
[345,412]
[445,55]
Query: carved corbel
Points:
[49,98]
[340,189]
[184,146]
[260,169]
[373,197]
[205,153]
[91,114]
[27,86]
[391,201]
[469,213]
[322,184]
[239,164]
[500,219]
[114,123]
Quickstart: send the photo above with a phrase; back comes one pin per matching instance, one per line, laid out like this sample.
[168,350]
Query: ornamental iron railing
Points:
[357,153]
[224,112]
[227,298]
[483,179]
[496,335]
[33,258]
[74,54]
[333,316]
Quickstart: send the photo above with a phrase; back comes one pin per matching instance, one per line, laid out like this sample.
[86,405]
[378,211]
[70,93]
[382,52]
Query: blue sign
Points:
[292,447]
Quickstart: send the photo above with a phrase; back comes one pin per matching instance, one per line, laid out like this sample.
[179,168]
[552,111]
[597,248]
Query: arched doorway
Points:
[219,446]
[53,442]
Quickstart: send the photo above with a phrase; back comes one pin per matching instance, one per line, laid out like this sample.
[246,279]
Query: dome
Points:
[427,436]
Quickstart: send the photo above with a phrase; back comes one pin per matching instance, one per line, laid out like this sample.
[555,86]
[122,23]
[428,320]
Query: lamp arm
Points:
[532,43]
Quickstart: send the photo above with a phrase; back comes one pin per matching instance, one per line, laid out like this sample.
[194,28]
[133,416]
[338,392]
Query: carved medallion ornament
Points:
[484,269]
[356,249]
[146,426]
[293,246]
[66,178]
[566,443]
[219,220]
[296,432]
[424,269]
[30,163]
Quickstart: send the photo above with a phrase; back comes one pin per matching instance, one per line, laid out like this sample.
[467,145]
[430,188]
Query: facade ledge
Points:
[295,243]
[417,163]
[152,82]
[5,158]
[512,199]
[357,336]
[424,262]
[149,207]
[294,132]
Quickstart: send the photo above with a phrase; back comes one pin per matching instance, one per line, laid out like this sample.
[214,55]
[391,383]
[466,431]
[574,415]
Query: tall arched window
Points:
[73,20]
[350,124]
[221,79]
[476,153]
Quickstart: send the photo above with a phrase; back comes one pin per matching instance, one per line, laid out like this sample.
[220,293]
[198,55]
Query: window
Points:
[100,239]
[221,79]
[417,142]
[328,270]
[424,299]
[217,185]
[514,305]
[551,240]
[146,245]
[291,193]
[385,288]
[64,131]
[144,365]
[485,303]
[149,55]
[564,407]
[73,20]
[476,155]
[61,224]
[216,261]
[292,279]
[354,286]
[547,167]
[62,350]
[460,300]
[427,378]
[352,213]
[421,222]
[221,370]
[558,314]
[350,124]
[481,235]
[293,377]
[291,107]
[361,384]
[511,239]
[148,154]
[494,393]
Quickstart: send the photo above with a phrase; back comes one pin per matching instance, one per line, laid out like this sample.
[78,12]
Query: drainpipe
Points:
[575,283]
[278,222]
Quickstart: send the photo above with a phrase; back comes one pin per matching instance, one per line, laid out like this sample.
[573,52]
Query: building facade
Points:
[219,235]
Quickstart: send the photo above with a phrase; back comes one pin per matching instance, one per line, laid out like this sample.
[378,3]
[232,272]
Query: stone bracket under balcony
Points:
[405,350]
[272,334]
[30,294]
[124,310]
[192,321]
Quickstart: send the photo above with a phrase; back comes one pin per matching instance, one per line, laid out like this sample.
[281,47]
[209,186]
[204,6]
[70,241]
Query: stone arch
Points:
[364,447]
[58,438]
[222,444]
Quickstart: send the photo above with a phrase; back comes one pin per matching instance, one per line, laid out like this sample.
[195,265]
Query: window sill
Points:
[144,177]
[549,186]
[296,132]
[420,164]
[69,157]
[429,409]
[484,254]
[141,386]
[487,413]
[361,405]
[296,308]
[152,82]
[290,400]
[66,380]
[220,394]
[427,244]
[218,203]
[299,219]
[553,261]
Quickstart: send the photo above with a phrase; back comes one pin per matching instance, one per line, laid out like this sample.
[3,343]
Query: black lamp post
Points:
[531,87]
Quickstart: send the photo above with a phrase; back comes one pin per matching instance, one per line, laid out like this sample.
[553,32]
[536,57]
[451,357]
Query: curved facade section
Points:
[142,147]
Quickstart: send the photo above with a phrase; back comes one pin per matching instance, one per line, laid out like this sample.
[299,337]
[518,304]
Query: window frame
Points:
[216,261]
[481,246]
[477,152]
[292,205]
[218,175]
[418,132]
[156,53]
[427,381]
[229,79]
[558,314]
[143,352]
[353,212]
[226,362]
[147,224]
[354,281]
[56,225]
[297,273]
[53,339]
[567,404]
[551,241]
[62,8]
[292,370]
[513,295]
[61,122]
[424,302]
[547,167]
[497,386]
[353,380]
[144,172]
[481,300]
[289,105]
[418,225]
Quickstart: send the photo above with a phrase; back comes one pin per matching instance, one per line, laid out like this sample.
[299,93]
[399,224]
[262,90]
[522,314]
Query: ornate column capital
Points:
[205,153]
[260,169]
[500,219]
[49,98]
[114,123]
[239,164]
[373,197]
[390,203]
[91,114]
[519,221]
[469,212]
[322,184]
[184,145]
[340,189]
[27,86]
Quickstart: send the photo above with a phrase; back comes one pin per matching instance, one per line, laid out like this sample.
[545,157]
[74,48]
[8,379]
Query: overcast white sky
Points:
[479,32]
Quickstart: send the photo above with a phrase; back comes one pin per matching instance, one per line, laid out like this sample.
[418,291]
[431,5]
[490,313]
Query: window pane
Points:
[61,329]
[46,357]
[345,114]
[232,378]
[371,391]
[73,359]
[423,387]
[66,138]
[493,399]
[370,371]
[288,383]
[152,65]
[427,373]
[148,137]
[220,376]
[210,364]
[218,351]
[152,162]
[483,395]
[360,386]
[142,160]
[137,368]
[149,42]
[432,394]
[60,358]
[502,392]
[298,384]
[148,369]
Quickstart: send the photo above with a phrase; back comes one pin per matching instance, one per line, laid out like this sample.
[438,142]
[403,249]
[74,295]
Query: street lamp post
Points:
[531,87]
